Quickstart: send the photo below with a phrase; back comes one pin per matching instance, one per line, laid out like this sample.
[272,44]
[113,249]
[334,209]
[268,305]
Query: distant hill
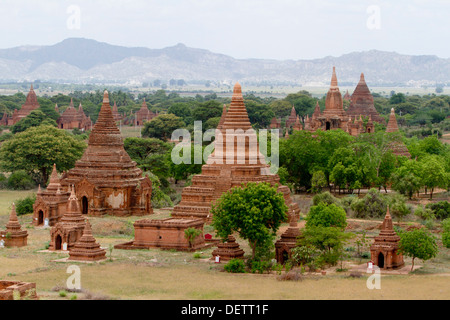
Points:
[78,60]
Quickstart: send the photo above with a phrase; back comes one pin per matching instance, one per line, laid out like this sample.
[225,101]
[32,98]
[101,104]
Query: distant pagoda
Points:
[362,102]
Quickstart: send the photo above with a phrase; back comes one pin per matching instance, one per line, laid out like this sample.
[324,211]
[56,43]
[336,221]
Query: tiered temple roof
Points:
[86,248]
[144,114]
[229,165]
[106,176]
[70,228]
[30,104]
[14,236]
[385,246]
[362,102]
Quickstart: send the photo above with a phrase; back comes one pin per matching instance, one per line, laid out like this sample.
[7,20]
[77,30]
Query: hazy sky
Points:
[273,29]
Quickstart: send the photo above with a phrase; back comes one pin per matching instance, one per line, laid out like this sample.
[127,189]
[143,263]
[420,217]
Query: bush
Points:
[446,233]
[325,197]
[235,266]
[373,205]
[324,215]
[25,206]
[441,209]
[424,213]
[398,206]
[3,181]
[160,199]
[20,180]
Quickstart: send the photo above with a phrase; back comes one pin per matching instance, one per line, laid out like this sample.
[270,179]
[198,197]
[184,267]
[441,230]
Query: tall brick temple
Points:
[229,166]
[106,180]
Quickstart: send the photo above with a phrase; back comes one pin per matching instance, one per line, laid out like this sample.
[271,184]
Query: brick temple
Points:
[384,250]
[73,118]
[69,229]
[335,117]
[144,115]
[229,166]
[14,236]
[50,204]
[106,180]
[31,103]
[167,234]
[362,103]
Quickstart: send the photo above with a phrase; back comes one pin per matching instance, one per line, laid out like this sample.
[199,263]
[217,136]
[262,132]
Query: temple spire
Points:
[334,82]
[392,124]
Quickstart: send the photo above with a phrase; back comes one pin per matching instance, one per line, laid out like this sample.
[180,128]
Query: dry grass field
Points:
[170,275]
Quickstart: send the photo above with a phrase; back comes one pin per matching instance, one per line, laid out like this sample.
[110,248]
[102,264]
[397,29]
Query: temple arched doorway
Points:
[58,242]
[381,260]
[84,205]
[40,218]
[328,126]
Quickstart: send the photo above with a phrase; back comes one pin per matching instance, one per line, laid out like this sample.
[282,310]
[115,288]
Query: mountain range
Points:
[79,60]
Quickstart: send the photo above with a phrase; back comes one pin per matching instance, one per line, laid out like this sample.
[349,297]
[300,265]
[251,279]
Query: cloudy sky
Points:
[281,29]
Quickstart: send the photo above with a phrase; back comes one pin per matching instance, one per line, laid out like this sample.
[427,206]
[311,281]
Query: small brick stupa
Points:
[362,102]
[51,203]
[86,248]
[70,228]
[287,242]
[228,250]
[384,249]
[106,180]
[14,236]
[230,165]
[398,147]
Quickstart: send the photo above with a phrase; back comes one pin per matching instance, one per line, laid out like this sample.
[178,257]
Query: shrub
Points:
[292,275]
[235,266]
[373,205]
[160,199]
[324,215]
[441,209]
[424,213]
[446,233]
[20,180]
[3,181]
[303,255]
[25,206]
[325,197]
[398,206]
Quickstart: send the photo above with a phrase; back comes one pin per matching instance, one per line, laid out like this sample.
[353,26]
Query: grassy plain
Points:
[169,275]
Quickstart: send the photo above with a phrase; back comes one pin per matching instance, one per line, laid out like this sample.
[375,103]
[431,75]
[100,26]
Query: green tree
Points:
[38,148]
[34,119]
[162,127]
[419,244]
[324,215]
[433,173]
[255,211]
